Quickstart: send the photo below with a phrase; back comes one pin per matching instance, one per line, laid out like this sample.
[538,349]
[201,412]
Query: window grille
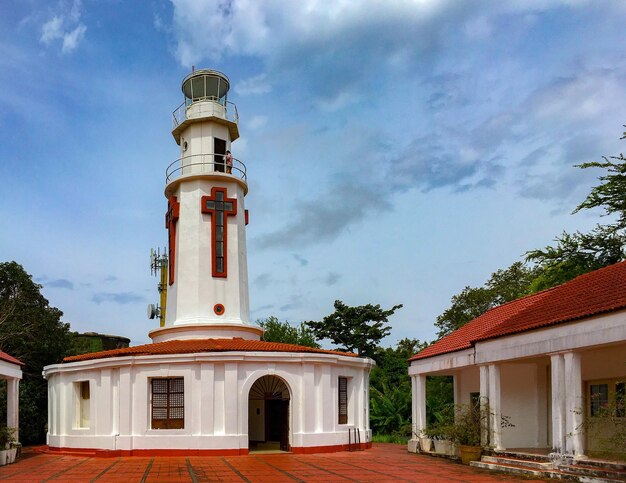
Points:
[168,403]
[343,400]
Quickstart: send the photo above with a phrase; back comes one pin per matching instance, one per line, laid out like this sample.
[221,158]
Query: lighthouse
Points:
[205,188]
[207,384]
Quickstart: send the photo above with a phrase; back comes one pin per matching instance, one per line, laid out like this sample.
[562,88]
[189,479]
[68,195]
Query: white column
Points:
[484,403]
[366,375]
[557,372]
[207,404]
[419,403]
[574,441]
[308,391]
[231,399]
[13,386]
[494,406]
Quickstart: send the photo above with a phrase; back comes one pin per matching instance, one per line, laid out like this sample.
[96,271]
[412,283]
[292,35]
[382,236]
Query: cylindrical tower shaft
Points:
[208,275]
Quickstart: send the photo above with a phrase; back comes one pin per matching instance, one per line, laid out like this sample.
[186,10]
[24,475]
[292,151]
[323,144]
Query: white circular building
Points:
[207,384]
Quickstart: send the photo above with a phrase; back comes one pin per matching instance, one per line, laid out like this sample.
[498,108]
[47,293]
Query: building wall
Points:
[216,400]
[604,363]
[523,400]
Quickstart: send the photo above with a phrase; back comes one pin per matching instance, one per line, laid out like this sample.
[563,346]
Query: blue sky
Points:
[396,151]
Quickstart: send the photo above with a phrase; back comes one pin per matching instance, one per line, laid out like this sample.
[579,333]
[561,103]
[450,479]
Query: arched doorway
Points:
[268,415]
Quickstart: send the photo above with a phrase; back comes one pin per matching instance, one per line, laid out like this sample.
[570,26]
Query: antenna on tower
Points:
[158,267]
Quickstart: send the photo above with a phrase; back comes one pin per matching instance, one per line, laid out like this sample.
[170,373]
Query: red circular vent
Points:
[218,309]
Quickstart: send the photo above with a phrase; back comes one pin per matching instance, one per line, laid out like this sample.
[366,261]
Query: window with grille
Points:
[168,403]
[343,400]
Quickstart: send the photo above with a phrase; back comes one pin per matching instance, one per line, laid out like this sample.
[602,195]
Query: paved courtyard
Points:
[383,463]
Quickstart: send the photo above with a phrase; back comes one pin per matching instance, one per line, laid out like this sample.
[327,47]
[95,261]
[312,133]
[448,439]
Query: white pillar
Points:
[419,404]
[484,402]
[574,441]
[494,406]
[13,405]
[557,373]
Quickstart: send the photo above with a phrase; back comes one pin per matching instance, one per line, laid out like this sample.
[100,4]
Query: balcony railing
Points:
[198,108]
[199,164]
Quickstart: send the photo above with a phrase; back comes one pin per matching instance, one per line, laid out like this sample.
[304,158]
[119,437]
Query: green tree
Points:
[355,328]
[575,254]
[390,388]
[390,409]
[277,331]
[32,331]
[611,193]
[578,253]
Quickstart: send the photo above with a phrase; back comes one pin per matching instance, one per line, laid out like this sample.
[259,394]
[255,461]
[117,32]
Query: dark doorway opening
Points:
[219,148]
[268,415]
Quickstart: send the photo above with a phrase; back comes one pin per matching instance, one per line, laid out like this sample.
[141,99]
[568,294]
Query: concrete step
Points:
[521,455]
[596,471]
[509,468]
[566,475]
[533,464]
[537,469]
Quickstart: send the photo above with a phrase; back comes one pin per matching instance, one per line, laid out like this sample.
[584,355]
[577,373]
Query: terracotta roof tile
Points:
[590,294]
[6,357]
[202,345]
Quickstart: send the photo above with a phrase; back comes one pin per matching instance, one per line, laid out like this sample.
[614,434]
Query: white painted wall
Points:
[520,402]
[216,415]
[605,363]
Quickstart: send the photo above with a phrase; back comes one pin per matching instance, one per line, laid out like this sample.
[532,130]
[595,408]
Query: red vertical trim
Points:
[227,213]
[246,216]
[171,219]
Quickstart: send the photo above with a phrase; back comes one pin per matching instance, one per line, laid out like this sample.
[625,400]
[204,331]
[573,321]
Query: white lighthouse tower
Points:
[207,384]
[206,218]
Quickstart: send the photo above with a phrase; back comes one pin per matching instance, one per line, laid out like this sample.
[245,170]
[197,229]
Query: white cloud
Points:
[52,30]
[65,26]
[254,85]
[72,39]
[257,122]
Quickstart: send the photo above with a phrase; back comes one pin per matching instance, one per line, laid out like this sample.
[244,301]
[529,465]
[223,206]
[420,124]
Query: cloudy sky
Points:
[396,151]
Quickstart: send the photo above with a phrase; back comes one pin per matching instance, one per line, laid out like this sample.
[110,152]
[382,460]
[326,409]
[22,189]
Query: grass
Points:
[389,438]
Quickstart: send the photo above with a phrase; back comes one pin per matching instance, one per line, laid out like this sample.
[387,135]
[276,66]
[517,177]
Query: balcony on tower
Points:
[205,94]
[204,126]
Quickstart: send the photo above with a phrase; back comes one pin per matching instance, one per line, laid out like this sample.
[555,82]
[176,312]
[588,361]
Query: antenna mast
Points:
[158,267]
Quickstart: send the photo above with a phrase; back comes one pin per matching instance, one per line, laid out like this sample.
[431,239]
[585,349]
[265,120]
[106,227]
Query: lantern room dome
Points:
[205,84]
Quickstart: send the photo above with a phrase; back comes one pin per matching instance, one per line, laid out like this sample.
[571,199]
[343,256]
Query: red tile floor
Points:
[382,463]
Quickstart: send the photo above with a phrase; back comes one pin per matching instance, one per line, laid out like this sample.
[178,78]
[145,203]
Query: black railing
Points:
[199,164]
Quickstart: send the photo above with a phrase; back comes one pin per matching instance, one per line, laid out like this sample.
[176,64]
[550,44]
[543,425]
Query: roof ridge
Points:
[189,346]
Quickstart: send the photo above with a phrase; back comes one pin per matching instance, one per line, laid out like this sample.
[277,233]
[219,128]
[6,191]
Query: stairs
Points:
[540,466]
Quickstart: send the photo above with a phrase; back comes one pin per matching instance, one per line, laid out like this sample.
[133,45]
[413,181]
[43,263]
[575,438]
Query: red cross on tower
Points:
[171,218]
[219,207]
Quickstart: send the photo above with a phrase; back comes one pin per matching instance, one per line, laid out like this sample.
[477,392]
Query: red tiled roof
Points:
[6,357]
[202,345]
[590,294]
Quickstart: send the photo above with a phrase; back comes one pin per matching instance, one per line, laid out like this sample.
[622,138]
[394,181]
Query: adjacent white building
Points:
[207,383]
[548,361]
[11,371]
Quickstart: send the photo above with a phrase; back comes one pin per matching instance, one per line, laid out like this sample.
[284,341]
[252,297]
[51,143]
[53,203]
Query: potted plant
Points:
[470,423]
[425,441]
[7,455]
[441,435]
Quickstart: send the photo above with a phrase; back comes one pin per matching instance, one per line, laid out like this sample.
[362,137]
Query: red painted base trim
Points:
[106,453]
[326,449]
